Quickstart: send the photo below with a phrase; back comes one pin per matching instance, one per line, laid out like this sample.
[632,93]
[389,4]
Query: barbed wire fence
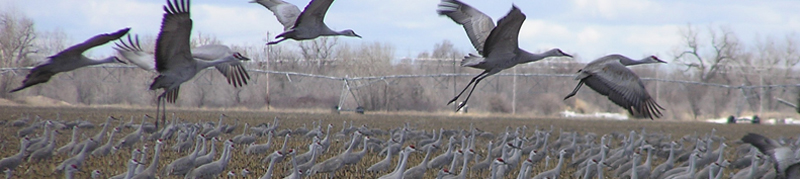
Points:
[347,89]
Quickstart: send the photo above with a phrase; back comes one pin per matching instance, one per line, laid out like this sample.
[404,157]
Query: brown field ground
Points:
[114,163]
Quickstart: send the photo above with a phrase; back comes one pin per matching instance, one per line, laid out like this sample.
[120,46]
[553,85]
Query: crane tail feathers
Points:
[472,60]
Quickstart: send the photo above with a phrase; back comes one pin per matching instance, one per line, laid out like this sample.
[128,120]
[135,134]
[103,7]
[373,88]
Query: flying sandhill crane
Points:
[174,59]
[610,77]
[499,45]
[784,159]
[302,25]
[233,71]
[150,172]
[11,162]
[70,59]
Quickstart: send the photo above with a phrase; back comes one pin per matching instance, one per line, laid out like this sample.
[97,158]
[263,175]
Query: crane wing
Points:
[234,72]
[285,12]
[503,40]
[133,52]
[782,157]
[314,13]
[172,44]
[624,88]
[477,24]
[97,40]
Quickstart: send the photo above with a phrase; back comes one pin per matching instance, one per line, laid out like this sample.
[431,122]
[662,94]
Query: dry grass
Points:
[114,164]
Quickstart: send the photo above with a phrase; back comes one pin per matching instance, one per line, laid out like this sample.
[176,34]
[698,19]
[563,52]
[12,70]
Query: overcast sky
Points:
[590,28]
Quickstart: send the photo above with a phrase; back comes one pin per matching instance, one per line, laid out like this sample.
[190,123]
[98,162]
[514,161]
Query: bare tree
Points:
[17,35]
[705,67]
[319,49]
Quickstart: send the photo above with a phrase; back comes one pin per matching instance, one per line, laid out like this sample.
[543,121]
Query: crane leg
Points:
[574,91]
[470,91]
[276,42]
[471,82]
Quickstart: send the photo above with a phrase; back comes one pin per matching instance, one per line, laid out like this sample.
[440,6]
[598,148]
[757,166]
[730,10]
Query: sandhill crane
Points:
[499,45]
[45,152]
[305,25]
[11,162]
[96,174]
[213,168]
[268,174]
[686,172]
[233,71]
[784,159]
[133,137]
[313,160]
[303,158]
[244,138]
[174,59]
[401,167]
[355,157]
[201,160]
[229,129]
[69,172]
[325,142]
[132,164]
[667,165]
[296,172]
[77,159]
[182,165]
[464,169]
[244,172]
[419,170]
[106,148]
[384,164]
[260,148]
[447,156]
[283,149]
[642,171]
[70,59]
[610,77]
[150,172]
[554,173]
[102,134]
[336,162]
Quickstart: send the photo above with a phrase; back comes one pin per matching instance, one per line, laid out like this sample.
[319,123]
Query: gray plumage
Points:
[70,59]
[11,162]
[784,160]
[501,45]
[610,77]
[305,25]
[174,59]
[150,172]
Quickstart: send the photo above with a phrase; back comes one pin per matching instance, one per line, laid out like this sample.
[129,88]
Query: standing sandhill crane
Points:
[384,164]
[213,168]
[132,164]
[70,59]
[305,25]
[11,162]
[786,163]
[69,172]
[419,170]
[150,172]
[355,157]
[106,148]
[401,167]
[315,148]
[244,138]
[96,174]
[174,60]
[610,77]
[102,134]
[182,165]
[233,71]
[133,137]
[273,161]
[201,160]
[77,159]
[45,152]
[260,148]
[499,45]
[553,173]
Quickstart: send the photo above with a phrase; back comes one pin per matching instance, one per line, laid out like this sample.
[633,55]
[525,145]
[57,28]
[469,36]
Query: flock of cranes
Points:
[519,152]
[497,46]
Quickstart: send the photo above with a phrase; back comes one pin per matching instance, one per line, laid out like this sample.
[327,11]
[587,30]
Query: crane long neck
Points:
[671,157]
[464,167]
[403,162]
[156,156]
